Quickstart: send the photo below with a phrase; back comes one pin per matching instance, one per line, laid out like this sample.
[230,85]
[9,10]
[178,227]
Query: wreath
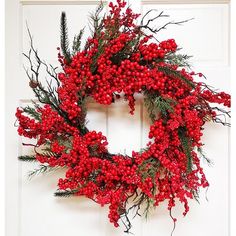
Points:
[120,59]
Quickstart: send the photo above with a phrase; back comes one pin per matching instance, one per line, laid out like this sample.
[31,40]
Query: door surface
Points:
[31,207]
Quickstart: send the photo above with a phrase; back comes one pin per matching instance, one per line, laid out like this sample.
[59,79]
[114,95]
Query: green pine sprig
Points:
[65,193]
[157,105]
[186,145]
[181,60]
[196,195]
[77,42]
[149,205]
[42,169]
[64,38]
[31,111]
[203,155]
[27,158]
[149,168]
[96,18]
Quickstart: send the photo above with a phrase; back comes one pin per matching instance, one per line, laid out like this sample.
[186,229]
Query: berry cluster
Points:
[120,60]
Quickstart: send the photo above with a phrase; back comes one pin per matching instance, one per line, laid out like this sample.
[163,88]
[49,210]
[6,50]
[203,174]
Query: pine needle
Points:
[203,155]
[157,105]
[42,169]
[65,193]
[186,145]
[32,112]
[181,60]
[27,158]
[64,38]
[77,42]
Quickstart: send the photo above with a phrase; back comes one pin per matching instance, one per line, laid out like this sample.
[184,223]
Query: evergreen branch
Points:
[64,38]
[196,195]
[177,74]
[96,17]
[149,204]
[27,158]
[65,193]
[97,26]
[149,168]
[42,169]
[178,59]
[77,42]
[158,105]
[186,145]
[203,155]
[100,51]
[164,105]
[32,112]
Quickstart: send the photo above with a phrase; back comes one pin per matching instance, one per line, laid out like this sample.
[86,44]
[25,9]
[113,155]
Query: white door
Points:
[31,207]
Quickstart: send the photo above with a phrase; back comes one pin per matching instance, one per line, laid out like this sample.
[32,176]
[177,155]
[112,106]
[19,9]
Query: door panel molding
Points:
[185,1]
[59,2]
[29,2]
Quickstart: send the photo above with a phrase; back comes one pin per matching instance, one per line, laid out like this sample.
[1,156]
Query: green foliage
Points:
[97,24]
[180,60]
[157,105]
[196,195]
[27,158]
[203,155]
[42,169]
[149,168]
[77,42]
[186,145]
[149,204]
[32,112]
[65,193]
[64,38]
[96,19]
[65,141]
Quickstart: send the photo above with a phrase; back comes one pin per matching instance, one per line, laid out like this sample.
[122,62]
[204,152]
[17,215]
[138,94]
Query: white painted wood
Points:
[33,201]
[206,37]
[232,164]
[60,2]
[144,1]
[124,127]
[12,95]
[186,1]
[2,118]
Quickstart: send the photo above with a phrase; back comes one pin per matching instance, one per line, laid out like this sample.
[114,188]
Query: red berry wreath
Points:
[121,57]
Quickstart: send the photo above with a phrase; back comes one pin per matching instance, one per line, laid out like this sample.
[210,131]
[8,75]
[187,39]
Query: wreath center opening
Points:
[125,132]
